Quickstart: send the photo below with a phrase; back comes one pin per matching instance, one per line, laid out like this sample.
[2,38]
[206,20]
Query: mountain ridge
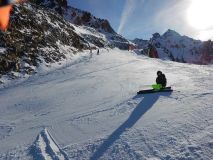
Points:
[173,46]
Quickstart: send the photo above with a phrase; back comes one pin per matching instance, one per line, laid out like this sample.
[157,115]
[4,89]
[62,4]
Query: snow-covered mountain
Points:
[89,22]
[47,32]
[171,45]
[141,43]
[75,15]
[80,18]
[97,26]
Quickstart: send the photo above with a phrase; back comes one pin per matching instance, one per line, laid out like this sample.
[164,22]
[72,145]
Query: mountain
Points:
[80,18]
[75,15]
[36,36]
[42,33]
[171,45]
[140,43]
[98,26]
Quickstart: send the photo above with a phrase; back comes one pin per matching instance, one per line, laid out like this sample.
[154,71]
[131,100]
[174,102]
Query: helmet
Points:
[159,73]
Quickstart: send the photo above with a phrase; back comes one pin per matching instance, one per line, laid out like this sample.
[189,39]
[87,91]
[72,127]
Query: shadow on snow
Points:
[147,102]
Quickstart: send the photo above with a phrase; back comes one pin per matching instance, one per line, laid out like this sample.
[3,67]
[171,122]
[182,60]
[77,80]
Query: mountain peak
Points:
[80,17]
[170,33]
[58,5]
[75,15]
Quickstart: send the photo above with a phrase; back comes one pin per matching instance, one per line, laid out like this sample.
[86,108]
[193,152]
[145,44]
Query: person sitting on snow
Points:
[160,80]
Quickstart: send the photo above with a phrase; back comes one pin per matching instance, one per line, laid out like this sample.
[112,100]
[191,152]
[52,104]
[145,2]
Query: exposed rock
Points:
[80,17]
[207,52]
[35,34]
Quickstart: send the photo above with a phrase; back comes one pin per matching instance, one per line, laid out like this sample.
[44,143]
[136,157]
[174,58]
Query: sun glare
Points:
[200,14]
[205,35]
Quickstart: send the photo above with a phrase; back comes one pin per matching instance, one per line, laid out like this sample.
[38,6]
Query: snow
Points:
[46,148]
[45,68]
[2,50]
[91,109]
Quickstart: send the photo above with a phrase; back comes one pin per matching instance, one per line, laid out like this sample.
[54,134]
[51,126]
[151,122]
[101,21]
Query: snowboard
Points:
[166,89]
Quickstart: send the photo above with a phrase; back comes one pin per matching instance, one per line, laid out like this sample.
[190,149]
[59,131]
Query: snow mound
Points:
[45,148]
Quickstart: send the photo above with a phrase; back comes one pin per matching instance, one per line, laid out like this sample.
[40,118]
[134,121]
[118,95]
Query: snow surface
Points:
[46,148]
[92,111]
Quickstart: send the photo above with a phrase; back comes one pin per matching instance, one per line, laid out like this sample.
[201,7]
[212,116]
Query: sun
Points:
[200,14]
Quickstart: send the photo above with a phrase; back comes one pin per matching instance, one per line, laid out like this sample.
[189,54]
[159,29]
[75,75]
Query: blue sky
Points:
[142,18]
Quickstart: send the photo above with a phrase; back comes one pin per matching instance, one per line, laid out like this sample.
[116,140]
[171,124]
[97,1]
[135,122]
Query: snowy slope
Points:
[92,111]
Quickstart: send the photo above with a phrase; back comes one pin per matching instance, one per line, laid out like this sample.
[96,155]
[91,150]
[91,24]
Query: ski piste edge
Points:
[166,89]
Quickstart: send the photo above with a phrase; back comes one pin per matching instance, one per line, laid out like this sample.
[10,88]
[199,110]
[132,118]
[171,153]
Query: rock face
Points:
[140,43]
[34,35]
[172,46]
[79,17]
[94,25]
[75,15]
[207,52]
[57,5]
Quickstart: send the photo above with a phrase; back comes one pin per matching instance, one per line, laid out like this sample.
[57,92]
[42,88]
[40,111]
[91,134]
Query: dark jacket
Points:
[161,79]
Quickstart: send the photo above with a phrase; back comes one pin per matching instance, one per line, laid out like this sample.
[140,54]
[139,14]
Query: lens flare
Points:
[200,14]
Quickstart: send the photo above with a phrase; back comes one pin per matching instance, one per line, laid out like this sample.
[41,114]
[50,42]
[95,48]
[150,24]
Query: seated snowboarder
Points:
[160,80]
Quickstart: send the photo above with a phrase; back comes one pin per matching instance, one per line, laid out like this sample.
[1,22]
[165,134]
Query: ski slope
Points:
[90,110]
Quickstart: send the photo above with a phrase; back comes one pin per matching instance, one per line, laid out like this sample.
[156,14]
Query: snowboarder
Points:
[160,85]
[160,81]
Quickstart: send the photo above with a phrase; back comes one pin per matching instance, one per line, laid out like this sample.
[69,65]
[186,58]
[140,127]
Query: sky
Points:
[142,18]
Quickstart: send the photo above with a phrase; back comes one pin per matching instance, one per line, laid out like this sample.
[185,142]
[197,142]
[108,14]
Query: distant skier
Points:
[160,80]
[98,52]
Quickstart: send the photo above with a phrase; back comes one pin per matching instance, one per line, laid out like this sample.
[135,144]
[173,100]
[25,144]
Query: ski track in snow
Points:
[45,147]
[92,111]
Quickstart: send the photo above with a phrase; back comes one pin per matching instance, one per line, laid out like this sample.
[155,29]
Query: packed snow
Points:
[90,110]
